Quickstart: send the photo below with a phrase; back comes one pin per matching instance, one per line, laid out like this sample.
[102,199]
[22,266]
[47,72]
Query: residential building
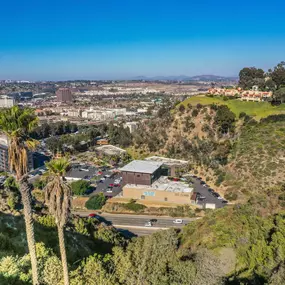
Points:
[6,102]
[132,126]
[64,95]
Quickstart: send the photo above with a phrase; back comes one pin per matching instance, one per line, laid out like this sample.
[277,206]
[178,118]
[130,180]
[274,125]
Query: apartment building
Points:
[64,95]
[6,102]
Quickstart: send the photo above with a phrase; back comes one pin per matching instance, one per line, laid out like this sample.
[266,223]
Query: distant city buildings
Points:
[245,95]
[132,126]
[6,102]
[64,95]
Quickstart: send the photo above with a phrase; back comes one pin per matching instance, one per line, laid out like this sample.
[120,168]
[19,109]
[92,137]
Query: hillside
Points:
[256,109]
[238,156]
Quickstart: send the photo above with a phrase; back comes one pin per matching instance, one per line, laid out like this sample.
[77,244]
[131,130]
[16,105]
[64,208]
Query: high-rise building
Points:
[6,102]
[4,157]
[64,95]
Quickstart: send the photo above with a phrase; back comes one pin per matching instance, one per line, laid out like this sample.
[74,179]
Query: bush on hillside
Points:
[80,187]
[132,206]
[195,113]
[96,202]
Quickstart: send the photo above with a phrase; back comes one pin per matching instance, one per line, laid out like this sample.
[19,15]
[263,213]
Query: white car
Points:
[107,176]
[102,179]
[109,190]
[148,224]
[178,221]
[220,198]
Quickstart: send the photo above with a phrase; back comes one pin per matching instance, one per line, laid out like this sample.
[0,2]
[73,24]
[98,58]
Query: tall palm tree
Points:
[58,199]
[17,123]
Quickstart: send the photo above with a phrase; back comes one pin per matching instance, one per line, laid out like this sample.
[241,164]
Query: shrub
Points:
[181,108]
[195,113]
[220,179]
[47,221]
[132,206]
[96,202]
[231,196]
[242,115]
[80,187]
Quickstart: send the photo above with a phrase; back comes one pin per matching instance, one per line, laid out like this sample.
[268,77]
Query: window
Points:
[142,197]
[138,175]
[165,199]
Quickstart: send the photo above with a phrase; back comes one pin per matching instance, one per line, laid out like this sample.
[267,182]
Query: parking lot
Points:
[204,192]
[102,179]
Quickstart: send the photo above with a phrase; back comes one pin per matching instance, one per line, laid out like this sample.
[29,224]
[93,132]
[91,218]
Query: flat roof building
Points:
[141,172]
[162,190]
[171,167]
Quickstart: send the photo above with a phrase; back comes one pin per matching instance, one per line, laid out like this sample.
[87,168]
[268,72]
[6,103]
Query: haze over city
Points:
[60,40]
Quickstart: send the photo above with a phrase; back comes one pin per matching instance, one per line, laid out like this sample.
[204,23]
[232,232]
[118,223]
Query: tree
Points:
[278,74]
[80,187]
[250,76]
[58,199]
[96,202]
[280,94]
[17,123]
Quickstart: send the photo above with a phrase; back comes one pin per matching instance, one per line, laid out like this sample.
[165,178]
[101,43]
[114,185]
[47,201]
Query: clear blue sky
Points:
[67,39]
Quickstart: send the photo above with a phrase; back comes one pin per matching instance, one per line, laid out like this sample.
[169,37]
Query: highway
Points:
[136,223]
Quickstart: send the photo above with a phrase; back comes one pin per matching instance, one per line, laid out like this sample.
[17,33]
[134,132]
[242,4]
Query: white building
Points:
[6,102]
[132,126]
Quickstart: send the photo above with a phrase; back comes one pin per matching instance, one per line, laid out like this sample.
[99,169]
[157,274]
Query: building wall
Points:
[136,178]
[4,164]
[150,194]
[7,102]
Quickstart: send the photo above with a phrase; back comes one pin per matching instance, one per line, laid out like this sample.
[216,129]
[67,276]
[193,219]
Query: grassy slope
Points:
[257,109]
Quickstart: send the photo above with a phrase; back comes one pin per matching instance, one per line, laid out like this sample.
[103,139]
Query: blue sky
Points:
[68,39]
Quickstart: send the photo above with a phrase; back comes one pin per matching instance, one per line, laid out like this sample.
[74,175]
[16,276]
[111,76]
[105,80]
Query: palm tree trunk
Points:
[63,254]
[26,199]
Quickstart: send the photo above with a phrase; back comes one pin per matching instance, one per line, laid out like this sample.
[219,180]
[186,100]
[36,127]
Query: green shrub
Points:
[132,206]
[195,113]
[96,202]
[80,187]
[47,221]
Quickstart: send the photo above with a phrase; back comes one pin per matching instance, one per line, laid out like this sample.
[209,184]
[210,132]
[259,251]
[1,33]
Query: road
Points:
[136,223]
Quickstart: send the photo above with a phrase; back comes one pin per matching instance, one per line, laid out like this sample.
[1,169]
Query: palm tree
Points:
[58,199]
[17,123]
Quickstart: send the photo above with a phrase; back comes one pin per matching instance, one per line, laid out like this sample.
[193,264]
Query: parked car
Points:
[148,224]
[111,185]
[225,202]
[102,179]
[178,221]
[100,172]
[201,197]
[117,185]
[107,176]
[109,190]
[92,215]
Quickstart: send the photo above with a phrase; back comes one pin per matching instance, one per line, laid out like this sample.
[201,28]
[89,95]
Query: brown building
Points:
[141,172]
[64,95]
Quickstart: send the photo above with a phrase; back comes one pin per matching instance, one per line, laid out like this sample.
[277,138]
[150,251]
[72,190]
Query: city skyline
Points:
[112,40]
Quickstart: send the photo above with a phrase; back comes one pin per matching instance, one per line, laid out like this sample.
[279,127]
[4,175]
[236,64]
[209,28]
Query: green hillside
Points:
[256,109]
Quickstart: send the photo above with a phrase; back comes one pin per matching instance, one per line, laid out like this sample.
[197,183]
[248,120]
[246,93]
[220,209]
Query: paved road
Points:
[136,223]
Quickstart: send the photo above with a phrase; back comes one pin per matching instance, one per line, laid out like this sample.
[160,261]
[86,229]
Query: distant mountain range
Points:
[187,78]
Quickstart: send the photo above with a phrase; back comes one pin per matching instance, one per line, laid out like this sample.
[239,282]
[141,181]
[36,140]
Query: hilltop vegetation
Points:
[257,110]
[234,153]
